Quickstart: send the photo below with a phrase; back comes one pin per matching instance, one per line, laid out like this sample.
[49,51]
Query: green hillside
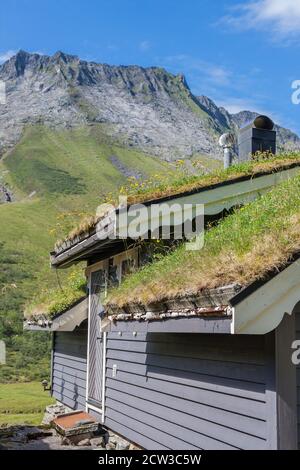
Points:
[56,177]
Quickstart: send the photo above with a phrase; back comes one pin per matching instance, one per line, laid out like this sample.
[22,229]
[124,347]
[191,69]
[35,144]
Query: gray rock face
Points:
[147,108]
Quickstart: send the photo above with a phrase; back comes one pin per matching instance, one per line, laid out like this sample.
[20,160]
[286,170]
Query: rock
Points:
[75,439]
[27,433]
[98,441]
[113,441]
[84,443]
[117,442]
[65,441]
[110,447]
[133,447]
[122,445]
[52,411]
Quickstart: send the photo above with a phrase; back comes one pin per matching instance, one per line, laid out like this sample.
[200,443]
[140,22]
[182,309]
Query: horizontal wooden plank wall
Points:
[69,367]
[179,391]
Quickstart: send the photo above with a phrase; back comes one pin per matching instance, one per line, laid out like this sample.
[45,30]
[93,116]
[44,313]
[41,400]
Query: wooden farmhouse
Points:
[190,349]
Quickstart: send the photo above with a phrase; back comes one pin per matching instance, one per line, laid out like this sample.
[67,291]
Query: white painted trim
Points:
[88,344]
[96,267]
[103,375]
[94,408]
[131,253]
[263,310]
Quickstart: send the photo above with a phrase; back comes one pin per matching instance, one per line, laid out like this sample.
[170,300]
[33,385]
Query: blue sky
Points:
[243,54]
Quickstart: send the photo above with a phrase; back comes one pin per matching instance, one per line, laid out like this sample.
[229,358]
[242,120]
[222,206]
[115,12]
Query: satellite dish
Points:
[263,122]
[227,140]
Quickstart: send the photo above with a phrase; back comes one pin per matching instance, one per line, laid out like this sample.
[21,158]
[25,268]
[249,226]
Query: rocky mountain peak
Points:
[17,64]
[60,56]
[148,108]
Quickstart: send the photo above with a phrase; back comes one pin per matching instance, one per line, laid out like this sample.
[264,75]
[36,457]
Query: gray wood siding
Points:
[69,367]
[179,391]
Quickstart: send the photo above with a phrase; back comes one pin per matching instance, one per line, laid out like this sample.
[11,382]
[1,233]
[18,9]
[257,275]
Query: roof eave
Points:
[261,307]
[64,321]
[215,199]
[256,309]
[205,312]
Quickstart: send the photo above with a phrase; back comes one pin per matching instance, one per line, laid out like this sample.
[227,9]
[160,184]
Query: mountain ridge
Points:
[147,108]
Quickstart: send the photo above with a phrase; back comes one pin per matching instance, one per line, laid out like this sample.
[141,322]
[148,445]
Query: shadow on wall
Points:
[208,389]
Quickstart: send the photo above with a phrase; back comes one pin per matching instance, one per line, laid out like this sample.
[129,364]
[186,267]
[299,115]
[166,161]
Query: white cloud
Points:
[281,17]
[4,56]
[197,68]
[235,105]
[144,46]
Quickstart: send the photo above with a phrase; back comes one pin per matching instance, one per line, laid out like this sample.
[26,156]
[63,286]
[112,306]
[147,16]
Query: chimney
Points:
[226,141]
[258,136]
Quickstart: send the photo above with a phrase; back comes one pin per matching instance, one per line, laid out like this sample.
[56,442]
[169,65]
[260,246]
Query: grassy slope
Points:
[242,248]
[69,171]
[23,403]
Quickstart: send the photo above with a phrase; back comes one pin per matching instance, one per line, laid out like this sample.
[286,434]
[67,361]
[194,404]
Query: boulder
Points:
[84,443]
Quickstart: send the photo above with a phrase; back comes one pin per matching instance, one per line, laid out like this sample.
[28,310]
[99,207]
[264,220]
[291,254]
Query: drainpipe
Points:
[227,157]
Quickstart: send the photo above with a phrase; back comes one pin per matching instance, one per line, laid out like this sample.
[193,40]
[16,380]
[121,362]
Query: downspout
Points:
[52,361]
[88,344]
[104,376]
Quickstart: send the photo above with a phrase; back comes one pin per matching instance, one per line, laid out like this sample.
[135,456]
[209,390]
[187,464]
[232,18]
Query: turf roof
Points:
[243,248]
[149,191]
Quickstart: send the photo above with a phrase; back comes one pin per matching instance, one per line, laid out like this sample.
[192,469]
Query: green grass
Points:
[71,162]
[23,403]
[49,302]
[181,181]
[208,164]
[34,419]
[242,248]
[166,187]
[69,172]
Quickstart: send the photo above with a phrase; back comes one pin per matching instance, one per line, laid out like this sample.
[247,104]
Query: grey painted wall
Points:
[177,391]
[69,367]
[188,391]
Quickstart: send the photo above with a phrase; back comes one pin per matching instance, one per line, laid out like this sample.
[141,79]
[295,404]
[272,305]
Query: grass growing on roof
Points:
[156,189]
[241,249]
[52,301]
[180,182]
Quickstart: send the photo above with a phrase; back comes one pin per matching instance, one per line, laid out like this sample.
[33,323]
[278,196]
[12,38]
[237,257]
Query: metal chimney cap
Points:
[227,140]
[263,122]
